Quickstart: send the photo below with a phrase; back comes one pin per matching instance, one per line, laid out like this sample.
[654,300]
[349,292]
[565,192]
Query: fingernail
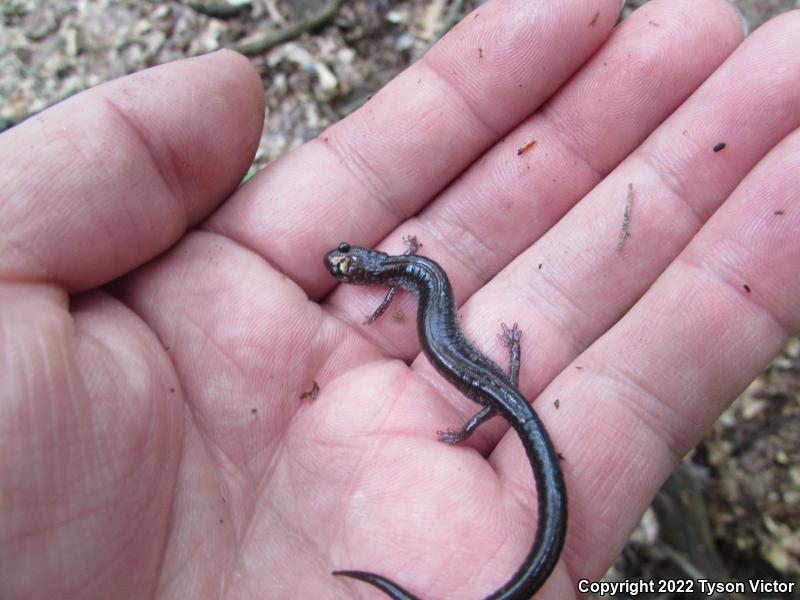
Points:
[621,11]
[742,18]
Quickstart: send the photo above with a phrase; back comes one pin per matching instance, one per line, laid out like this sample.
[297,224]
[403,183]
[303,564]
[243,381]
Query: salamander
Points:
[481,380]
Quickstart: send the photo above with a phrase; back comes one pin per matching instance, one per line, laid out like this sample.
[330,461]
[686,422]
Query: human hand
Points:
[154,438]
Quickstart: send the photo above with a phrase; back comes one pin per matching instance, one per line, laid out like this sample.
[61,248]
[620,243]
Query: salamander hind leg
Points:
[412,245]
[451,437]
[510,339]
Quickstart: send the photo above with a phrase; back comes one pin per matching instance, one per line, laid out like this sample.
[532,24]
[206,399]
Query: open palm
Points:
[156,437]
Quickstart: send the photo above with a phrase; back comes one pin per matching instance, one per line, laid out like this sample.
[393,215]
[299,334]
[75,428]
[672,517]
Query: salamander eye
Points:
[344,247]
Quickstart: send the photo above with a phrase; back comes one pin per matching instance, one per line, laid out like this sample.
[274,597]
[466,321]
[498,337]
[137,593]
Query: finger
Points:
[110,178]
[506,201]
[368,173]
[641,396]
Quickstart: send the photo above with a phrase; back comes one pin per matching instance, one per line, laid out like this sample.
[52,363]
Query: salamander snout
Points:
[338,262]
[353,264]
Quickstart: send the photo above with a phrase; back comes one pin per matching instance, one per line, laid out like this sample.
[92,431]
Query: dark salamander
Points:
[479,379]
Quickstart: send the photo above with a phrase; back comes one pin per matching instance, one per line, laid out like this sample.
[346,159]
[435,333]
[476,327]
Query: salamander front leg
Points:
[454,437]
[387,300]
[412,247]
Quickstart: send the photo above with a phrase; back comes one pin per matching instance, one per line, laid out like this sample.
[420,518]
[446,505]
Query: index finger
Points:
[368,173]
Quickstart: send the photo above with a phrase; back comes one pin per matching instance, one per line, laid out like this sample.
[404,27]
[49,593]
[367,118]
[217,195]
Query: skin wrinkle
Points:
[455,251]
[246,477]
[378,427]
[105,470]
[58,522]
[46,370]
[198,421]
[480,440]
[390,201]
[290,528]
[444,77]
[169,176]
[222,451]
[572,148]
[63,513]
[412,539]
[464,242]
[78,145]
[488,558]
[197,548]
[183,566]
[96,209]
[360,470]
[147,499]
[786,328]
[121,560]
[620,453]
[156,581]
[103,223]
[359,168]
[649,409]
[311,541]
[605,515]
[33,262]
[520,494]
[242,527]
[238,527]
[25,249]
[342,530]
[534,295]
[672,182]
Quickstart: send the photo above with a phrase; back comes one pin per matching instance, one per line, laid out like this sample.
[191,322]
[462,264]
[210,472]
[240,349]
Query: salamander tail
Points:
[389,588]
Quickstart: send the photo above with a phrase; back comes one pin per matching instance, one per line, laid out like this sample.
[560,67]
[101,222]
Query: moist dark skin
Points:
[481,380]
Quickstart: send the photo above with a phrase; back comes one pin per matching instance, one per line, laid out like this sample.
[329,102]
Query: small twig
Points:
[273,12]
[264,41]
[219,10]
[312,393]
[626,219]
[527,145]
[682,562]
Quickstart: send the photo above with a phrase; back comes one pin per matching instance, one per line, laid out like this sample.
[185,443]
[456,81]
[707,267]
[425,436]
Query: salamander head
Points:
[353,264]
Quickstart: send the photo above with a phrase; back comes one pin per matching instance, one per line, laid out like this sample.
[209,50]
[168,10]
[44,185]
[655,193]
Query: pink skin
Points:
[152,438]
